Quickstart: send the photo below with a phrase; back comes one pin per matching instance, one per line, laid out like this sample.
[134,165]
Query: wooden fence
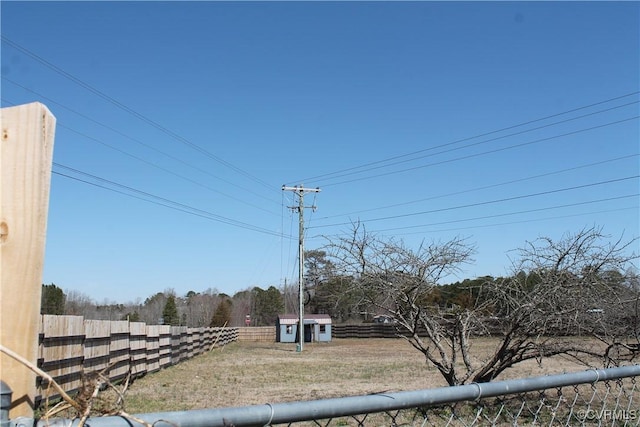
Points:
[257,333]
[70,347]
[390,330]
[364,330]
[491,326]
[358,330]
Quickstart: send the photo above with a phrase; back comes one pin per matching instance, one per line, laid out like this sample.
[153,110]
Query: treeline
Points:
[256,307]
[333,295]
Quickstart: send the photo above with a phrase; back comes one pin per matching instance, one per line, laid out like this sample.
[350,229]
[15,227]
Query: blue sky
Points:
[495,122]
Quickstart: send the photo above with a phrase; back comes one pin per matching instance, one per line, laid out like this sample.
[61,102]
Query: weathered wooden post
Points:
[26,151]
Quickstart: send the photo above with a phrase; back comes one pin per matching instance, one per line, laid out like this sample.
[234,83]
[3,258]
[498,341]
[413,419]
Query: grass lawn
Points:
[247,373]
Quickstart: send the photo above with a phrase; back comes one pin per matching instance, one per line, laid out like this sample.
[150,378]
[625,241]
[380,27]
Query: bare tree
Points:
[199,307]
[573,286]
[242,305]
[80,304]
[398,280]
[557,287]
[151,310]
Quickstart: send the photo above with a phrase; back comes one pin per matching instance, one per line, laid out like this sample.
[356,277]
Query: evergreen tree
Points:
[170,312]
[53,300]
[267,305]
[222,315]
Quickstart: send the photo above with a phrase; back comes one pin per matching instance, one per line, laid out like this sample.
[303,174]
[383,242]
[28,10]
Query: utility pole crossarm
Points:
[300,191]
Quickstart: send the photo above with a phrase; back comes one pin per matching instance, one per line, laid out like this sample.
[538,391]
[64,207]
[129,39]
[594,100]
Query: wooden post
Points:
[26,150]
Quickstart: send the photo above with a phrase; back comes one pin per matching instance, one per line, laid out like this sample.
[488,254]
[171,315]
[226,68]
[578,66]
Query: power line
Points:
[137,141]
[331,174]
[526,221]
[398,157]
[134,113]
[479,143]
[484,187]
[568,205]
[161,201]
[165,169]
[506,214]
[154,165]
[497,150]
[469,205]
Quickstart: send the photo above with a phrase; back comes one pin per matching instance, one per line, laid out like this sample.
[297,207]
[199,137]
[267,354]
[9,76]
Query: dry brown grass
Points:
[257,373]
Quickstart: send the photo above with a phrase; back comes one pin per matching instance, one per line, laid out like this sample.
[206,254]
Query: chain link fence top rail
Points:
[594,397]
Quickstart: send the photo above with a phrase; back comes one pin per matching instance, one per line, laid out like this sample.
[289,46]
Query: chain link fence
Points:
[608,403]
[603,397]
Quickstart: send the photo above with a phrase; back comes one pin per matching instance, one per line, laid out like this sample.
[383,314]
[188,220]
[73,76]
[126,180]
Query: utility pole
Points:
[300,208]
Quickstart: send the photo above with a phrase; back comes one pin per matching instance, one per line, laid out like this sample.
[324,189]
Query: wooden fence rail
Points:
[70,347]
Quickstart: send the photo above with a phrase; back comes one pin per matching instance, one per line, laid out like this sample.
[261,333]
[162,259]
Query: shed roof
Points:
[292,319]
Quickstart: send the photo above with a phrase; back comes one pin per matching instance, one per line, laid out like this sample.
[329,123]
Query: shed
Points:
[317,328]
